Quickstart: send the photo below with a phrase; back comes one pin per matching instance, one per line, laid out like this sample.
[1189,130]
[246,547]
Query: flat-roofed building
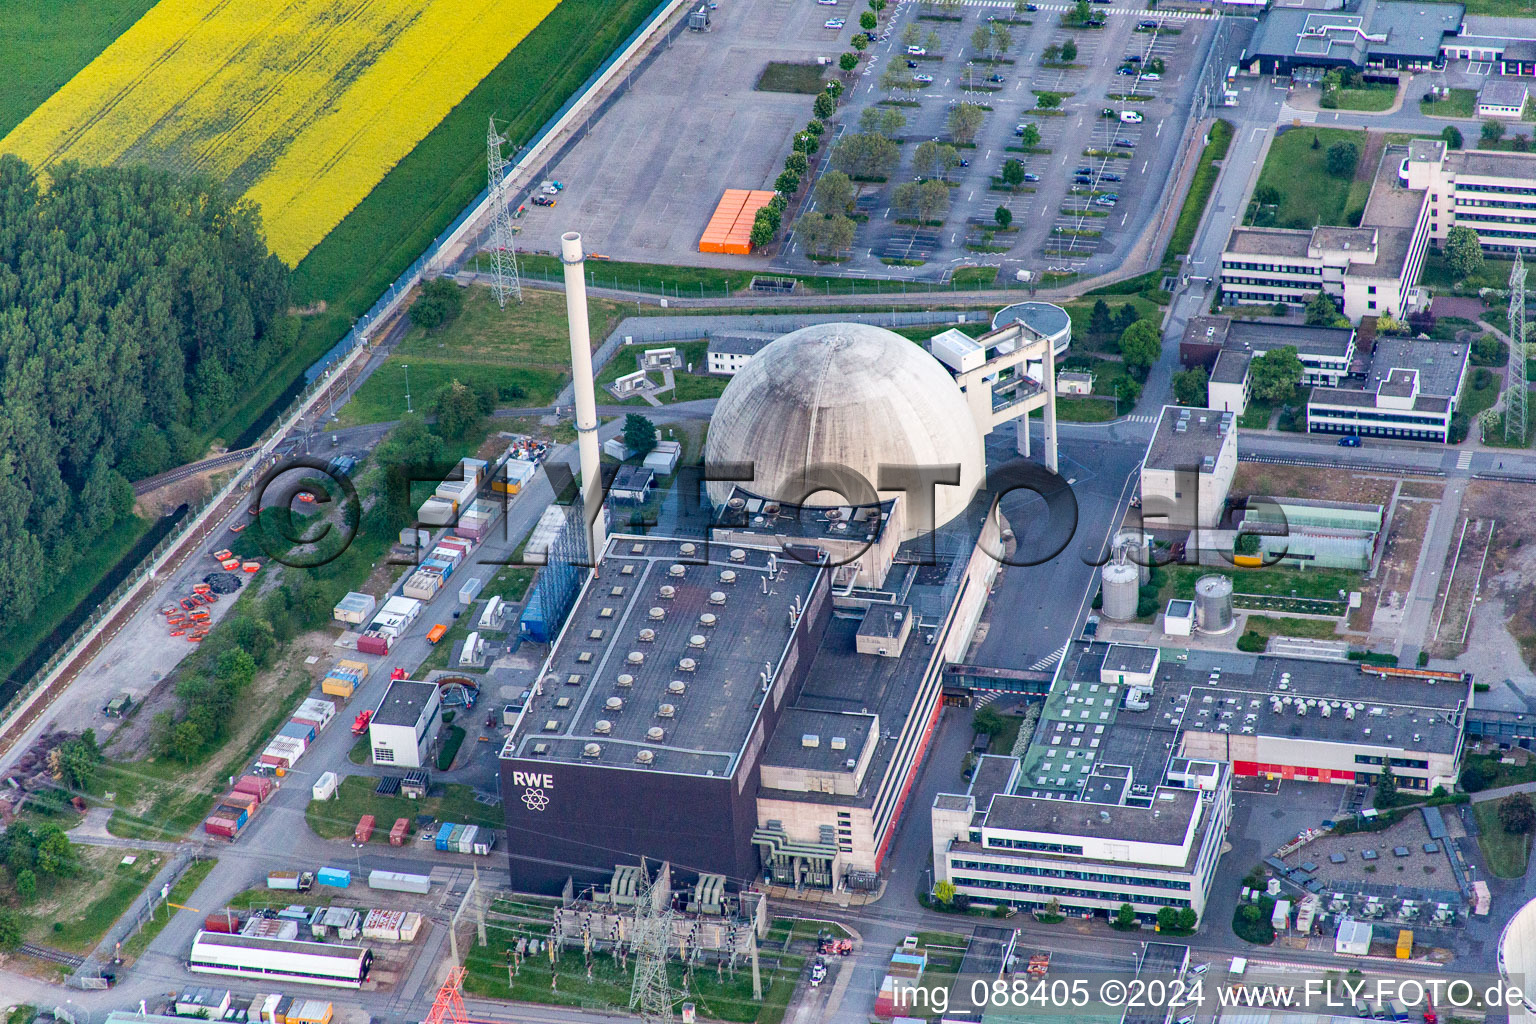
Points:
[1188,467]
[1371,269]
[1503,97]
[1227,388]
[1490,191]
[1411,392]
[1383,34]
[404,725]
[1090,857]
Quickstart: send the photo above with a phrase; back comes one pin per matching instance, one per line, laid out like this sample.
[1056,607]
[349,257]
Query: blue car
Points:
[1352,441]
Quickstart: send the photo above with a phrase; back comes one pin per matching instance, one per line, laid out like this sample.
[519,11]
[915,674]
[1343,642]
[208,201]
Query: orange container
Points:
[231,564]
[250,566]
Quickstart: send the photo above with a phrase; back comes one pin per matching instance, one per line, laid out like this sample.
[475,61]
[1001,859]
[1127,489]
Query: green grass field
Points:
[1312,195]
[1270,581]
[782,76]
[720,282]
[687,387]
[525,346]
[74,913]
[1199,191]
[1370,98]
[336,818]
[46,41]
[1460,103]
[1506,855]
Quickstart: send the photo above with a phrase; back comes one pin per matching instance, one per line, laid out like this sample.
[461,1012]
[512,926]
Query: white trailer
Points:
[280,960]
[399,881]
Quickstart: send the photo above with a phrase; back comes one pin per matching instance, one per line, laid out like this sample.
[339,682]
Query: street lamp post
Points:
[407,388]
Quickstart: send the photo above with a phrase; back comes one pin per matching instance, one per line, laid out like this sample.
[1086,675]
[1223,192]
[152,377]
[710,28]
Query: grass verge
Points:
[1506,855]
[185,886]
[1200,188]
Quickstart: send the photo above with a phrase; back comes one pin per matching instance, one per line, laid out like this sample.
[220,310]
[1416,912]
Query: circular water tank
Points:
[1213,604]
[1136,545]
[655,733]
[1121,586]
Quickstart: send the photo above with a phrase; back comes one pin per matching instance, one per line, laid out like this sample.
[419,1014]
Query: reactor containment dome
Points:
[849,395]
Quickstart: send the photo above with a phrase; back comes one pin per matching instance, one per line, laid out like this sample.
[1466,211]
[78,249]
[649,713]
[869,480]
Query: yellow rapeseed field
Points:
[302,105]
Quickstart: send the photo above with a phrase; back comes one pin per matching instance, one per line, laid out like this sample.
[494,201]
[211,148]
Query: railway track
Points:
[191,469]
[53,956]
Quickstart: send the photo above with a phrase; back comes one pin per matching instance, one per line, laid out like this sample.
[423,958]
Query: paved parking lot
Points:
[1088,230]
[643,182]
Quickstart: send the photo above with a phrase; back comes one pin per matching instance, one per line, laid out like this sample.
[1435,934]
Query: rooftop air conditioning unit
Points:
[592,750]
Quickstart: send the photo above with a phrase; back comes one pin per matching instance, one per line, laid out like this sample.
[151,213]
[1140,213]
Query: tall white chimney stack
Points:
[586,396]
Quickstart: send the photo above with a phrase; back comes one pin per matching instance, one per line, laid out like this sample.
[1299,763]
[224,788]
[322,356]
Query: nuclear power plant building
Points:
[754,703]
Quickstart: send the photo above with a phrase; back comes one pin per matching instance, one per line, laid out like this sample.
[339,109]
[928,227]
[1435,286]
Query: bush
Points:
[1252,642]
[1477,775]
[440,302]
[1251,921]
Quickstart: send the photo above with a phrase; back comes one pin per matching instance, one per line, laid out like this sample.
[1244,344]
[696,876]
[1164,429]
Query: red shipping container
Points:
[364,830]
[400,832]
[373,642]
[275,760]
[256,785]
[239,802]
[457,543]
[220,827]
[224,922]
[313,723]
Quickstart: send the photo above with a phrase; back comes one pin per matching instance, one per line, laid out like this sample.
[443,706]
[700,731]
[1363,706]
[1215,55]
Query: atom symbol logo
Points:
[535,799]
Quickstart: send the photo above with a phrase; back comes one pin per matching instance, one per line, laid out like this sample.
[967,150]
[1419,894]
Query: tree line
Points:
[137,309]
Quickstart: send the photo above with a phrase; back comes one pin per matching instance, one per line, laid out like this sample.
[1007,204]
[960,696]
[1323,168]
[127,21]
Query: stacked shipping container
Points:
[730,228]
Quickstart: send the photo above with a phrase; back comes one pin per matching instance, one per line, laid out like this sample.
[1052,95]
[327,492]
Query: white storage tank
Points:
[1136,546]
[1121,587]
[1213,604]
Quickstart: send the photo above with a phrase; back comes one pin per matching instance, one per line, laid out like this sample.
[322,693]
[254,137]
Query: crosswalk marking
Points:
[1049,660]
[1141,418]
[1290,113]
[1464,460]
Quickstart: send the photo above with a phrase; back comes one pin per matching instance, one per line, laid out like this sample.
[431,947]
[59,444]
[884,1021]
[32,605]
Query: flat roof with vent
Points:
[716,634]
[819,740]
[1184,437]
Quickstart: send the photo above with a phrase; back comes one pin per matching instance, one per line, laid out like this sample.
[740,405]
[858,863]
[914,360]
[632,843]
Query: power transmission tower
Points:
[651,995]
[503,247]
[1515,386]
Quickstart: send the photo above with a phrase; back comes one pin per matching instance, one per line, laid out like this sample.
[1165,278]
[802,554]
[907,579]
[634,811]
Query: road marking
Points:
[1464,461]
[971,196]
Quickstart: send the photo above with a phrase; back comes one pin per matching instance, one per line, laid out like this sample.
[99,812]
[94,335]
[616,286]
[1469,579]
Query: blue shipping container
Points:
[338,877]
[443,833]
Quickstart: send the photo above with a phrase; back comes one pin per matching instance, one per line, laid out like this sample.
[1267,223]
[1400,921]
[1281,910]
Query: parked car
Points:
[827,3]
[543,201]
[911,63]
[1133,59]
[1082,179]
[1029,176]
[1083,170]
[995,78]
[1031,7]
[834,23]
[1151,76]
[1146,24]
[916,51]
[925,79]
[1091,627]
[1104,201]
[1109,177]
[1131,117]
[1351,441]
[1125,144]
[1123,70]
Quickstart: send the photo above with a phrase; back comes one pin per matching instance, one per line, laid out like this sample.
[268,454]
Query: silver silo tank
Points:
[1121,587]
[1136,547]
[1213,604]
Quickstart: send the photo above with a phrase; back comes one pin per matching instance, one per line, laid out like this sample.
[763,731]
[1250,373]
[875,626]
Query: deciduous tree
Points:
[833,192]
[965,121]
[1463,252]
[639,434]
[1274,375]
[1141,344]
[1190,387]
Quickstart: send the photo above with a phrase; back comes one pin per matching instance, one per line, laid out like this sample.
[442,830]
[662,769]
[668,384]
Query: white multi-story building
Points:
[1370,269]
[1491,192]
[1411,393]
[1090,857]
[1188,468]
[404,725]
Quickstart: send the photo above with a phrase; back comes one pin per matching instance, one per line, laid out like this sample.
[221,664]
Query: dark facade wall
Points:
[597,816]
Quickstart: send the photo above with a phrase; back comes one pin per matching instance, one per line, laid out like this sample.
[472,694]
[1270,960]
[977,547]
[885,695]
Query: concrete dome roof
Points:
[846,394]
